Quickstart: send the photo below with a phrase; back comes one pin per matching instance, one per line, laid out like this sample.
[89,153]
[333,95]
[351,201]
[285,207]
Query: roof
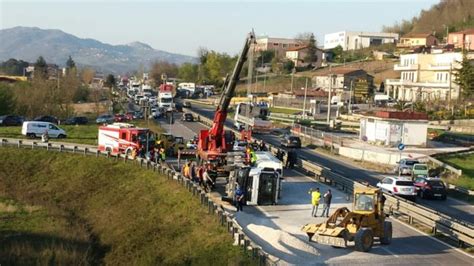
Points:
[417,35]
[401,115]
[311,93]
[297,48]
[338,71]
[468,31]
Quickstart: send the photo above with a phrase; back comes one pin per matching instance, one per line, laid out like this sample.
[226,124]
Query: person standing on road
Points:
[207,180]
[327,203]
[315,196]
[239,198]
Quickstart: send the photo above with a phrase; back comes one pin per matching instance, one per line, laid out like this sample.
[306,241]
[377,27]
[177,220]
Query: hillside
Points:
[65,209]
[56,46]
[457,14]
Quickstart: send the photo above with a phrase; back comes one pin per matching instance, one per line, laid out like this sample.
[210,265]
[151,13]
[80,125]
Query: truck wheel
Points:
[387,233]
[364,239]
[31,135]
[61,136]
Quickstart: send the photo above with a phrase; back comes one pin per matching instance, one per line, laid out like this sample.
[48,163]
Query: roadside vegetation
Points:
[65,209]
[466,164]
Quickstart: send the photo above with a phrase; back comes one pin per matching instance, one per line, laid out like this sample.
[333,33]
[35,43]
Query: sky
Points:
[184,26]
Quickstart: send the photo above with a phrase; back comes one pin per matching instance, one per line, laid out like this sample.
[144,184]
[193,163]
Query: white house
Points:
[392,128]
[353,40]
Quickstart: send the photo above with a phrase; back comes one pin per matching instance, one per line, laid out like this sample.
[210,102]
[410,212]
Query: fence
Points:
[214,208]
[460,231]
[317,137]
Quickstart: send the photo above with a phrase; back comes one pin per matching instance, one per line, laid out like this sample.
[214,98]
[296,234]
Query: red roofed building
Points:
[392,128]
[462,39]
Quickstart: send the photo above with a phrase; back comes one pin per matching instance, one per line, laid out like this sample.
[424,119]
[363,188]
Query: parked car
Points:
[428,187]
[405,166]
[186,104]
[11,120]
[291,141]
[419,170]
[400,186]
[47,118]
[129,116]
[138,115]
[105,119]
[35,129]
[76,120]
[120,118]
[188,117]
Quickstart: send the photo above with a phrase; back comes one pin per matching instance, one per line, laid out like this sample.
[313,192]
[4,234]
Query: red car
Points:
[430,188]
[129,116]
[120,118]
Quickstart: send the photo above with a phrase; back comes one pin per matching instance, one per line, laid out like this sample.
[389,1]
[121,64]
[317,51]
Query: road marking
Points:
[434,238]
[390,252]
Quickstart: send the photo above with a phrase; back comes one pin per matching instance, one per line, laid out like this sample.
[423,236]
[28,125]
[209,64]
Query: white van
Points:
[35,129]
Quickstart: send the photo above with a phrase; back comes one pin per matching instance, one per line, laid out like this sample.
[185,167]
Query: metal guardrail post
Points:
[85,151]
[19,144]
[97,153]
[61,148]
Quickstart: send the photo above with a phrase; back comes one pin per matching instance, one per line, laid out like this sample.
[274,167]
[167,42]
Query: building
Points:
[392,128]
[425,77]
[298,54]
[462,39]
[340,80]
[279,45]
[352,40]
[417,39]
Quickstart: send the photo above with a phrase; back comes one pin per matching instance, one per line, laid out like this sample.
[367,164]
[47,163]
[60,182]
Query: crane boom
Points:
[213,143]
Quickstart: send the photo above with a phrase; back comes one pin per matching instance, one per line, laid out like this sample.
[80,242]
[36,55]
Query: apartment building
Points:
[298,55]
[425,77]
[279,45]
[351,40]
[462,39]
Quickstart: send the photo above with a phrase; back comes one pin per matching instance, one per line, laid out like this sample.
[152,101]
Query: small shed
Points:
[392,128]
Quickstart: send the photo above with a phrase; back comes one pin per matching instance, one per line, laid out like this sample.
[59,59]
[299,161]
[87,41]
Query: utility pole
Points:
[350,97]
[450,89]
[329,99]
[304,101]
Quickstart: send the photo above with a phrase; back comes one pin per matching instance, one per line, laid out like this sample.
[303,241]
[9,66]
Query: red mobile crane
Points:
[213,144]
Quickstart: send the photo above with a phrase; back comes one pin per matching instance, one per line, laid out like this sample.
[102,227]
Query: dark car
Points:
[11,120]
[291,141]
[138,115]
[105,119]
[76,120]
[47,118]
[188,117]
[430,188]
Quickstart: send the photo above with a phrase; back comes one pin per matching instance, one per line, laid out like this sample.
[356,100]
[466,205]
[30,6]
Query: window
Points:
[364,202]
[387,181]
[53,127]
[275,44]
[124,135]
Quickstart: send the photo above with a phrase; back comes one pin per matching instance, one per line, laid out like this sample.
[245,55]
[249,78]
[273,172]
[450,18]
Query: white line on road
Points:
[390,252]
[434,238]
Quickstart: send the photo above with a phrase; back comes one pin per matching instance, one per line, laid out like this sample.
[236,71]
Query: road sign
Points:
[401,146]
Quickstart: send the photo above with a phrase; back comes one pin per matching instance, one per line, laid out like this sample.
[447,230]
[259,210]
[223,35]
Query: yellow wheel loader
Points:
[361,226]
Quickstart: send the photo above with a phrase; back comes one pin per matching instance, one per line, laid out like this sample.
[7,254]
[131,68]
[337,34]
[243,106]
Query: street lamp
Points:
[304,101]
[331,78]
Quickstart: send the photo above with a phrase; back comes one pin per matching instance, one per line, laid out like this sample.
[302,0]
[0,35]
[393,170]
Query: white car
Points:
[240,145]
[405,166]
[35,129]
[399,186]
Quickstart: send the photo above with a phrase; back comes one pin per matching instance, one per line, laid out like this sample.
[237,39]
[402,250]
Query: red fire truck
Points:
[123,138]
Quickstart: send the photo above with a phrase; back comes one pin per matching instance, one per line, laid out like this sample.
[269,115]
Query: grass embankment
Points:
[65,209]
[466,164]
[284,110]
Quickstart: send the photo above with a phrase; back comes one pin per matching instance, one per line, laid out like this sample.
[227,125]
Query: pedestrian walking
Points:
[207,180]
[239,198]
[327,203]
[315,196]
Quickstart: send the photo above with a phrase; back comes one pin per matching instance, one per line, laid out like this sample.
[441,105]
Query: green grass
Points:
[466,164]
[283,110]
[83,134]
[97,211]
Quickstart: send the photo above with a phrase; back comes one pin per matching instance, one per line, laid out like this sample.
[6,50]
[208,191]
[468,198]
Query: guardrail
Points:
[224,217]
[460,231]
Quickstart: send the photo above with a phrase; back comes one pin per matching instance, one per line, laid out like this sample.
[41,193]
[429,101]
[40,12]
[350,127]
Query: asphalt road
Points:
[277,229]
[459,210]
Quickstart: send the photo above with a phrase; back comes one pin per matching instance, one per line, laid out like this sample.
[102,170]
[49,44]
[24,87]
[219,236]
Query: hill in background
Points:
[28,43]
[457,15]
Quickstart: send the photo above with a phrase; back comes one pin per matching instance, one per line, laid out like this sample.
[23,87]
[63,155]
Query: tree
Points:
[188,72]
[110,81]
[41,68]
[265,57]
[288,66]
[13,67]
[163,67]
[303,37]
[464,77]
[70,64]
[7,100]
[311,55]
[87,75]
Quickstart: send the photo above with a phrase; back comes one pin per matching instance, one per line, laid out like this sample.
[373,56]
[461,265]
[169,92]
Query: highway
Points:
[459,210]
[277,229]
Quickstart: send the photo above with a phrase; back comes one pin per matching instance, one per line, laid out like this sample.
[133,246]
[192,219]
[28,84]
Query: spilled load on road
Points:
[362,225]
